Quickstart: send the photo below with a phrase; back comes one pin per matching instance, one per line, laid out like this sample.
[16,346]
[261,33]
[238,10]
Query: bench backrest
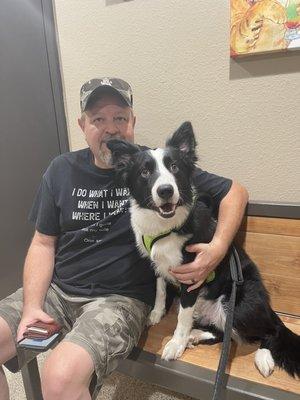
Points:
[274,245]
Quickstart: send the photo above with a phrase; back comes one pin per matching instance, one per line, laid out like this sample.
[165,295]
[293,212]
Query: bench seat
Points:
[202,362]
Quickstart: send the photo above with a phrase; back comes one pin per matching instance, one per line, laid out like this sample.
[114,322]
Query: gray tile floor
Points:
[116,387]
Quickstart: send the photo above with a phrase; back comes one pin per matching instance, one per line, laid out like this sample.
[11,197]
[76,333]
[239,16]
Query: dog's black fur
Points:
[254,320]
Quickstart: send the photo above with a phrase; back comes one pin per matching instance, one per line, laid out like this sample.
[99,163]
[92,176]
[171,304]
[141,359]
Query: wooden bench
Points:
[274,244]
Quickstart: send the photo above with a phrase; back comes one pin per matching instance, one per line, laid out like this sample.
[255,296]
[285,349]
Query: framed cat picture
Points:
[263,26]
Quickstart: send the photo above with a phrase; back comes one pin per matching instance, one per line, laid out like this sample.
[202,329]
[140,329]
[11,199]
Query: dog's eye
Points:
[145,173]
[174,168]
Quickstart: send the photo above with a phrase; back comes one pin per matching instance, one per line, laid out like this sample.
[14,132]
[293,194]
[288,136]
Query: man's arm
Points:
[231,212]
[208,256]
[38,271]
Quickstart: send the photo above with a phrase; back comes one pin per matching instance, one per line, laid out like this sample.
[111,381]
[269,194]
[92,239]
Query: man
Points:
[82,268]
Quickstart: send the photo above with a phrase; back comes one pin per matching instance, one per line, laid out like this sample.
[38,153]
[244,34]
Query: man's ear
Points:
[183,139]
[122,157]
[81,124]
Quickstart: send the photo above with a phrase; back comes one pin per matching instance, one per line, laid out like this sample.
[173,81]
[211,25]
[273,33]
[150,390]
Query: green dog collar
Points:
[211,277]
[149,241]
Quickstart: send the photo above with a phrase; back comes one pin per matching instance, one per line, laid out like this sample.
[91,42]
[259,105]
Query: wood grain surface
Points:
[241,362]
[274,245]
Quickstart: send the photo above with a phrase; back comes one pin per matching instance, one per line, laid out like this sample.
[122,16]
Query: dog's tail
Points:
[284,346]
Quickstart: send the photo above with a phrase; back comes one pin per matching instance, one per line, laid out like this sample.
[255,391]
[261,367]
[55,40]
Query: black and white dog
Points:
[166,216]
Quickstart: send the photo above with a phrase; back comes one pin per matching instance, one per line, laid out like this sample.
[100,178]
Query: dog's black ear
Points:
[122,157]
[183,139]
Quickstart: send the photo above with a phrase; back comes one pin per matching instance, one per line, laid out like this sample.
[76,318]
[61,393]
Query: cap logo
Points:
[106,81]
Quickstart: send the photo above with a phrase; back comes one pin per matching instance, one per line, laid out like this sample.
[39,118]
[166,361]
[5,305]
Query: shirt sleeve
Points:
[44,212]
[216,186]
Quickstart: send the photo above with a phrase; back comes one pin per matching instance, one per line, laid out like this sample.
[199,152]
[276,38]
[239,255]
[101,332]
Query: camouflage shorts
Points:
[107,327]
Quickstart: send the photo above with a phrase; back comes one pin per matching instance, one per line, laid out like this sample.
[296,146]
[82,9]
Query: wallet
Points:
[41,330]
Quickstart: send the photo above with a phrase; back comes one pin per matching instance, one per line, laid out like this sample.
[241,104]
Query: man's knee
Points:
[67,372]
[7,343]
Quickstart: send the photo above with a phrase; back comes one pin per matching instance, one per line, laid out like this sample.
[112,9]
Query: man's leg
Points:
[11,309]
[104,332]
[67,373]
[7,351]
[4,392]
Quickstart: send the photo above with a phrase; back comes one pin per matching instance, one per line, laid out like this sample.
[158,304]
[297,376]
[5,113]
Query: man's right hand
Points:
[29,317]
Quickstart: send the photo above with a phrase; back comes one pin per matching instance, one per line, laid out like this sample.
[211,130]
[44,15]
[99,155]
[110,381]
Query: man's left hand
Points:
[208,256]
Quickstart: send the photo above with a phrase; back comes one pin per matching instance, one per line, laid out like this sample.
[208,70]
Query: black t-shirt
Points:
[96,253]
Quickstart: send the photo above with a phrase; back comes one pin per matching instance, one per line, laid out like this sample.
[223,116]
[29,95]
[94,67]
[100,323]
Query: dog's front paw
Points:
[155,316]
[173,350]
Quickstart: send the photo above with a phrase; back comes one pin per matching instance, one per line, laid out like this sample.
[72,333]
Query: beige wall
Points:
[246,114]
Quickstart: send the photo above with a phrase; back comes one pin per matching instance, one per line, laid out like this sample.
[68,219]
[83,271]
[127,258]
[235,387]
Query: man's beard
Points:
[105,155]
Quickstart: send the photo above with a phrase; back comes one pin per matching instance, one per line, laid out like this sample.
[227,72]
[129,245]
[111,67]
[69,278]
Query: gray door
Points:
[29,134]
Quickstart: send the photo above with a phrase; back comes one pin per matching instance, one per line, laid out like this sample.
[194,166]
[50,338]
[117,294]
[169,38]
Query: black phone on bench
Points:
[39,344]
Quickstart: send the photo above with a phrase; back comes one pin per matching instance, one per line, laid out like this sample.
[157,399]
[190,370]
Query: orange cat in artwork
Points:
[257,26]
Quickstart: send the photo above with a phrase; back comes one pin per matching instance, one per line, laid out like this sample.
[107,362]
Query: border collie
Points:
[166,215]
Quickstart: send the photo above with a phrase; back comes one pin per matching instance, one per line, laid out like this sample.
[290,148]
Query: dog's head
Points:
[160,179]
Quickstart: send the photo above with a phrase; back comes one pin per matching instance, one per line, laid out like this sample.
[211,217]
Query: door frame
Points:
[55,74]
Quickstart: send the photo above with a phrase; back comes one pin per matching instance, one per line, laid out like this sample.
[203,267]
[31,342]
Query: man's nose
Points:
[111,128]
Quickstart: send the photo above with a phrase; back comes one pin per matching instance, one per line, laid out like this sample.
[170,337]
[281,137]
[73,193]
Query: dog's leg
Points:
[176,346]
[160,303]
[204,334]
[198,336]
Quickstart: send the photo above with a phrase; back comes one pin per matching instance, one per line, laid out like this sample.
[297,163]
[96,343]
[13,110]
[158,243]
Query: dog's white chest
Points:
[167,253]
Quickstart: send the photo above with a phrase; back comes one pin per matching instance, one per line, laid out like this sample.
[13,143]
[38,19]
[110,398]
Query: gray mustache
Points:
[107,138]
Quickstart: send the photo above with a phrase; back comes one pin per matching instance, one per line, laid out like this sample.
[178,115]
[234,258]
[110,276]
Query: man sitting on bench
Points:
[82,268]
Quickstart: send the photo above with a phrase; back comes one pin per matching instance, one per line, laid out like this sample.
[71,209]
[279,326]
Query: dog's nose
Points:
[165,191]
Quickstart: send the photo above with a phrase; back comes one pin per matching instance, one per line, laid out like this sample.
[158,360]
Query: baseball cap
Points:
[89,88]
